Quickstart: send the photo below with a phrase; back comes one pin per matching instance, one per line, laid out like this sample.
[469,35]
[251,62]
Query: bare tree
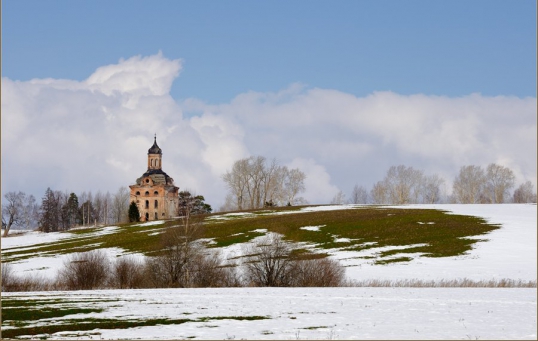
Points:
[254,183]
[359,195]
[294,184]
[175,265]
[525,193]
[469,185]
[339,198]
[268,262]
[403,184]
[12,210]
[120,205]
[30,212]
[379,193]
[500,180]
[237,180]
[431,189]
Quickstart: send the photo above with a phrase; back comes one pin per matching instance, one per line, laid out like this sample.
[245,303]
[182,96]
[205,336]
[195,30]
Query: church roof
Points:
[158,177]
[155,148]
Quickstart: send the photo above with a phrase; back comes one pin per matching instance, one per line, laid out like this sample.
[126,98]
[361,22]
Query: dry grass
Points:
[452,283]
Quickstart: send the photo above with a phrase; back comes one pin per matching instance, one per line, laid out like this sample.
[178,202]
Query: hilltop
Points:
[479,242]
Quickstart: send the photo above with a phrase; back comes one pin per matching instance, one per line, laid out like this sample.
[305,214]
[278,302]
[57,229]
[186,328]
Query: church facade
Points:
[154,192]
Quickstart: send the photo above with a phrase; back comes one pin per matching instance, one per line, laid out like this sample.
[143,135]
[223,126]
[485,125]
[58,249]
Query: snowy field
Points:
[309,313]
[336,313]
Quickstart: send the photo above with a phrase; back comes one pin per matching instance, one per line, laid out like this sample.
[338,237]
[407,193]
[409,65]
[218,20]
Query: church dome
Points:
[155,148]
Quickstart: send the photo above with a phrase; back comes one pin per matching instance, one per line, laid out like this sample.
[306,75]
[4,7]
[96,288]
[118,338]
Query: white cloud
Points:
[94,134]
[152,75]
[317,183]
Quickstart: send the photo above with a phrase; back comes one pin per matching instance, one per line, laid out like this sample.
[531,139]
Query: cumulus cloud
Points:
[357,139]
[94,134]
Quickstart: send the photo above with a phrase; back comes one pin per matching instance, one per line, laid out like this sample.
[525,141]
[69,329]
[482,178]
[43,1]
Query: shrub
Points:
[322,272]
[128,273]
[11,282]
[83,271]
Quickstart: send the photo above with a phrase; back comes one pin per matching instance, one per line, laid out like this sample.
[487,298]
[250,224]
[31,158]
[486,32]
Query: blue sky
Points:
[340,89]
[451,48]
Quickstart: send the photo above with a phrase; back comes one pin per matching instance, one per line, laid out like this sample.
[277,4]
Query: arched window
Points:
[147,203]
[155,193]
[156,204]
[147,193]
[137,193]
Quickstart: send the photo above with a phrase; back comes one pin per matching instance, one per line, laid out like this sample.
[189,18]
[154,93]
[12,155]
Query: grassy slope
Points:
[433,233]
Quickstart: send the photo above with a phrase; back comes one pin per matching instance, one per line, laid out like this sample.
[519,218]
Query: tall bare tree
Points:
[12,210]
[180,251]
[294,184]
[254,183]
[339,198]
[30,212]
[237,180]
[379,193]
[500,180]
[403,184]
[359,195]
[469,185]
[431,189]
[525,193]
[120,205]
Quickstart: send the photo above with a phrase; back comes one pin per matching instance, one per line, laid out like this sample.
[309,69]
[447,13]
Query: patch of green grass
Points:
[87,324]
[393,260]
[443,235]
[68,325]
[30,315]
[365,227]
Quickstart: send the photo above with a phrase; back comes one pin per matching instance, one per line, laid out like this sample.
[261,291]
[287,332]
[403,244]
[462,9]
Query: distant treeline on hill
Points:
[473,185]
[60,211]
[255,183]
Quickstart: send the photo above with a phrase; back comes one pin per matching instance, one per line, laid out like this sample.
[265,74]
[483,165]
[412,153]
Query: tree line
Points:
[472,185]
[60,211]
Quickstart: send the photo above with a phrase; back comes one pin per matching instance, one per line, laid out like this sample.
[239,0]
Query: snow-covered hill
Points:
[322,313]
[509,252]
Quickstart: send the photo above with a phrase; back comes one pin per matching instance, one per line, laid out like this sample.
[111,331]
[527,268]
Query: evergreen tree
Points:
[71,210]
[49,212]
[189,204]
[134,213]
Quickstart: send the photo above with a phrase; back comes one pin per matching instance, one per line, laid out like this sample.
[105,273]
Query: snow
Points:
[509,252]
[311,313]
[311,228]
[333,313]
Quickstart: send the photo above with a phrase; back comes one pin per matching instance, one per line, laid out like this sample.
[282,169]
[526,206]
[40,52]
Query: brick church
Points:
[155,193]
